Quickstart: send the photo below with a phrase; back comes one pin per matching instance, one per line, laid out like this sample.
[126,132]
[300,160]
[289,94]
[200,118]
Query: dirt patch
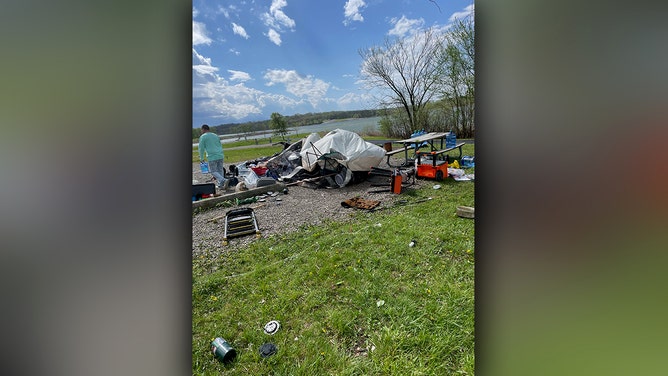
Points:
[281,214]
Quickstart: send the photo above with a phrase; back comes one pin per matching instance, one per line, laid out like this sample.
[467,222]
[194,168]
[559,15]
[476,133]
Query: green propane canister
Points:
[222,350]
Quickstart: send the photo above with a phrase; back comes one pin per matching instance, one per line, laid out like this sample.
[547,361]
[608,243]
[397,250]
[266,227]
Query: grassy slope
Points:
[325,285]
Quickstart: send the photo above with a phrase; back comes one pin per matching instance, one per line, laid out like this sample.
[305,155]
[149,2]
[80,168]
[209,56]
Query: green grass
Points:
[325,285]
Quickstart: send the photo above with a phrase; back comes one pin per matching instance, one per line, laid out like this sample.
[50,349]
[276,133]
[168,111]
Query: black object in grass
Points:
[267,350]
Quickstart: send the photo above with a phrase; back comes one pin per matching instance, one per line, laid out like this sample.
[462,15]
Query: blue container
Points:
[467,161]
[204,166]
[450,140]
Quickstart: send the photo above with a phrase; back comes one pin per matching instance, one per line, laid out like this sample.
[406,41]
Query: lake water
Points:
[353,125]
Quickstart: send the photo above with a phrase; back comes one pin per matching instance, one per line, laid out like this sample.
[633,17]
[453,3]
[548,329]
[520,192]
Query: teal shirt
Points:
[210,143]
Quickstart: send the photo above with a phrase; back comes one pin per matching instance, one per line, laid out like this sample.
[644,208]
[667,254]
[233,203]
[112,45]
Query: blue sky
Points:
[255,57]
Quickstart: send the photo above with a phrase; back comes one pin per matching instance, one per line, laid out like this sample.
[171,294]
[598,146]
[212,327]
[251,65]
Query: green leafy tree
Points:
[279,125]
[196,133]
[246,129]
[458,76]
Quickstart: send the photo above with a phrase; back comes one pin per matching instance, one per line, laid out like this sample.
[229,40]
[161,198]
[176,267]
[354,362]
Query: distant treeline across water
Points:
[297,120]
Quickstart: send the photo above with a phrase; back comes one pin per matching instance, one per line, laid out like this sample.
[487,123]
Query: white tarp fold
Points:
[346,147]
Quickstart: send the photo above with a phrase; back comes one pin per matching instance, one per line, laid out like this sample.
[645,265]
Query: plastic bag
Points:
[204,166]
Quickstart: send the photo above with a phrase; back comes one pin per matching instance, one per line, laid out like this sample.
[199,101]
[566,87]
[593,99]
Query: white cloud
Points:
[239,30]
[277,20]
[199,59]
[202,65]
[195,12]
[313,89]
[277,15]
[238,75]
[278,99]
[468,11]
[353,101]
[274,37]
[213,96]
[233,51]
[405,26]
[351,11]
[224,11]
[205,69]
[216,97]
[199,34]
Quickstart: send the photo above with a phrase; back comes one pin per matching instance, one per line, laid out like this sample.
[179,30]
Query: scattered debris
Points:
[465,212]
[267,350]
[239,222]
[271,327]
[437,186]
[412,243]
[201,191]
[345,147]
[222,350]
[240,187]
[464,177]
[467,161]
[360,203]
[245,201]
[455,172]
[380,303]
[379,191]
[339,158]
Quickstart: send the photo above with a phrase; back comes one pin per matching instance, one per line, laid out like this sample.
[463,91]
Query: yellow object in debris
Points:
[455,164]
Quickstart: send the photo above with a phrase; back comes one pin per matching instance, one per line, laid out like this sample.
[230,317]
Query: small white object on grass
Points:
[271,327]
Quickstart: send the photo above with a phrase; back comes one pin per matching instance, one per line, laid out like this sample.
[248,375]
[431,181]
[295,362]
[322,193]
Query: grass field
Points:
[352,297]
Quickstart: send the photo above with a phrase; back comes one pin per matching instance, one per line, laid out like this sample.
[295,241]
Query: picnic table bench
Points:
[416,143]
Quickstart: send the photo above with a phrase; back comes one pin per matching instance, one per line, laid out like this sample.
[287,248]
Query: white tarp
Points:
[347,148]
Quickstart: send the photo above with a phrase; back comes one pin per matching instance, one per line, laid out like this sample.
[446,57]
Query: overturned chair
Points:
[240,222]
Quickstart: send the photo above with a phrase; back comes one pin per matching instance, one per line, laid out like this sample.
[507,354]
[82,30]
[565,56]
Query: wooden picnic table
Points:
[434,140]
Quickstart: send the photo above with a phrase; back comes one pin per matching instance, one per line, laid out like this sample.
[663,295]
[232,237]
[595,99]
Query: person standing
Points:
[209,144]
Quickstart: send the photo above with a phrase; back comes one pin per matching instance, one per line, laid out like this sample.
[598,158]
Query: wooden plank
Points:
[424,137]
[210,202]
[393,152]
[458,146]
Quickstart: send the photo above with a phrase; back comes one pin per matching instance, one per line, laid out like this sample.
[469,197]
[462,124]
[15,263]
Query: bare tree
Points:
[406,71]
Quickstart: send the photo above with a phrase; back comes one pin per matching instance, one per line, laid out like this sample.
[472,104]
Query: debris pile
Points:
[339,158]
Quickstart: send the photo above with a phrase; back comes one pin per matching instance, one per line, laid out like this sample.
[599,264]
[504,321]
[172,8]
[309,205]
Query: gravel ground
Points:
[281,214]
